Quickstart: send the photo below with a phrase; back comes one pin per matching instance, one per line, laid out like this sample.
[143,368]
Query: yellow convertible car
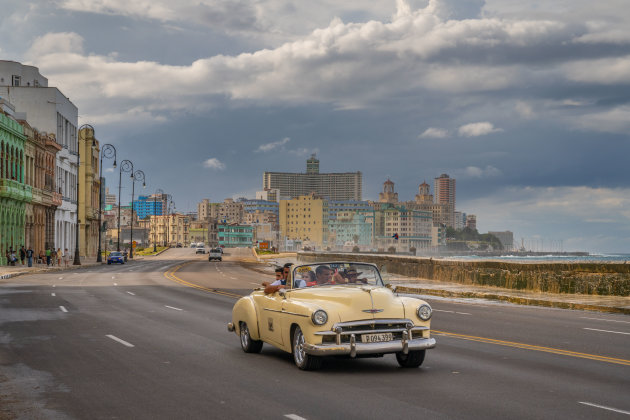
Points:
[334,309]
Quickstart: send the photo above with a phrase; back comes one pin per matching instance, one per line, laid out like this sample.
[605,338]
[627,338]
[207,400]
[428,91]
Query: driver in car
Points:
[281,283]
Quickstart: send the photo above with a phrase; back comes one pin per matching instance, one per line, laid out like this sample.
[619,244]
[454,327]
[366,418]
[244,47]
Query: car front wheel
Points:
[248,344]
[303,360]
[413,359]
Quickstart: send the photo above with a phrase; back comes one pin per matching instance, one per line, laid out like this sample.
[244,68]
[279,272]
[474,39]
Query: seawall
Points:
[592,278]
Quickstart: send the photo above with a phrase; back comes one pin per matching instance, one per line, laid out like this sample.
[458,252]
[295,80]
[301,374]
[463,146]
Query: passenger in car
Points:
[281,283]
[324,275]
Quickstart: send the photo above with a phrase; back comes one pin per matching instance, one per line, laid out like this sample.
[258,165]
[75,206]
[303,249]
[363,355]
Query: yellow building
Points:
[305,218]
[170,230]
[89,182]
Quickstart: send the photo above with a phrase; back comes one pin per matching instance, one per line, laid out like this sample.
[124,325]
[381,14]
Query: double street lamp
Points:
[107,151]
[135,176]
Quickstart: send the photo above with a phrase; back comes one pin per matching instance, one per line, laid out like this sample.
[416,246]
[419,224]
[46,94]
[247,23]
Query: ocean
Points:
[612,258]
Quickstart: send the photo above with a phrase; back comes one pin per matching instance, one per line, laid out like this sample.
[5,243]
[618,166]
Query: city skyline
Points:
[527,107]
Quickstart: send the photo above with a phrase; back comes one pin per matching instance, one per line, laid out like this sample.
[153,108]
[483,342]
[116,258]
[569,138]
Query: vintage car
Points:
[334,309]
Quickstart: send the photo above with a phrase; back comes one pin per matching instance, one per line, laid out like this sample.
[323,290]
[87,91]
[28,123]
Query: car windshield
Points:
[115,254]
[323,274]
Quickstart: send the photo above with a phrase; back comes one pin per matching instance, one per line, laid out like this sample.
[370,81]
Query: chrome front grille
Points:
[343,332]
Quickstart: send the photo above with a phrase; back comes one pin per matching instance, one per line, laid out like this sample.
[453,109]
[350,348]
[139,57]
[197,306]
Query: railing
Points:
[15,190]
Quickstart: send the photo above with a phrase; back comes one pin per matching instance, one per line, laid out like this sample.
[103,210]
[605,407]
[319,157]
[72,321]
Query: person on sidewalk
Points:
[48,253]
[59,255]
[29,256]
[22,254]
[13,257]
[53,257]
[66,257]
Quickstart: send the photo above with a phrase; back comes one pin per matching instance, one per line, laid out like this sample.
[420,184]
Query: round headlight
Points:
[319,317]
[424,312]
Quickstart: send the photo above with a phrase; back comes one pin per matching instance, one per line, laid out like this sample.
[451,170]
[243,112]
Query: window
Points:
[16,80]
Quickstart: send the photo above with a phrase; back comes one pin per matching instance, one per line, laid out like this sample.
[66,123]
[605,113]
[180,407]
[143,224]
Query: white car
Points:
[200,248]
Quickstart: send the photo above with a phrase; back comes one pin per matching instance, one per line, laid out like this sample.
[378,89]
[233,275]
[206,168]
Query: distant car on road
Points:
[215,254]
[179,246]
[200,248]
[115,257]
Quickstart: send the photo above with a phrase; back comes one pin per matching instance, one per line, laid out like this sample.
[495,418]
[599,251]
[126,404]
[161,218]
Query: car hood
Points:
[353,302]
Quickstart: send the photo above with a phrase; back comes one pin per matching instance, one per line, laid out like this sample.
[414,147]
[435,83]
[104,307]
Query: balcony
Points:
[15,190]
[56,199]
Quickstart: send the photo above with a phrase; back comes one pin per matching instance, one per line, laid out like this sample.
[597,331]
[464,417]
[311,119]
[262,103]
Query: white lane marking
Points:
[113,277]
[441,310]
[463,313]
[54,285]
[294,417]
[607,320]
[115,284]
[616,410]
[172,307]
[53,294]
[614,332]
[131,293]
[123,342]
[63,309]
[233,278]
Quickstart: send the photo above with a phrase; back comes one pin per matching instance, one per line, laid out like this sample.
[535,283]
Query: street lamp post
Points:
[161,193]
[135,176]
[169,206]
[125,166]
[107,151]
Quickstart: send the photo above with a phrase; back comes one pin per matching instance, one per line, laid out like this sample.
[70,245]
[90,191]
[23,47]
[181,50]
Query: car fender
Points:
[245,311]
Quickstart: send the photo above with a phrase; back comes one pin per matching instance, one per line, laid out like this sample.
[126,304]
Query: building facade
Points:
[233,235]
[150,205]
[332,186]
[305,218]
[48,110]
[402,228]
[169,230]
[89,150]
[14,192]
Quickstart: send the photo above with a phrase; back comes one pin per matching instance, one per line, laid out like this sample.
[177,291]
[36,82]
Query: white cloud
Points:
[615,120]
[267,147]
[111,170]
[56,43]
[434,133]
[477,129]
[214,163]
[476,172]
[524,110]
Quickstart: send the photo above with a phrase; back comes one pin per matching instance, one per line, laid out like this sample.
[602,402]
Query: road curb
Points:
[514,299]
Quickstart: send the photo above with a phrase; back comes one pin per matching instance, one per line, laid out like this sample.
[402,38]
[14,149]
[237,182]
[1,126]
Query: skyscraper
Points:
[444,189]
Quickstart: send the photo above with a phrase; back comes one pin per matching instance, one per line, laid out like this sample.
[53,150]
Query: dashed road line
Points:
[607,320]
[131,293]
[294,417]
[172,307]
[123,342]
[613,332]
[616,410]
[53,294]
[63,309]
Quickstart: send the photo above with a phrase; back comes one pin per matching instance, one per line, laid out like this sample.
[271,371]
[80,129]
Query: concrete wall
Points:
[585,278]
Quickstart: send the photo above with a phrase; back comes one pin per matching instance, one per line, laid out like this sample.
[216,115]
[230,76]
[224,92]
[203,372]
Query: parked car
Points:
[334,309]
[178,245]
[215,254]
[115,257]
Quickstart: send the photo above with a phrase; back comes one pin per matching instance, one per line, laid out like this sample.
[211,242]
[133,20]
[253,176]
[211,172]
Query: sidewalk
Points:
[7,271]
[613,304]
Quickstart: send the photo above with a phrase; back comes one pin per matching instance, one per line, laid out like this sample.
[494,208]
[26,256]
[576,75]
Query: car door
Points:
[270,317]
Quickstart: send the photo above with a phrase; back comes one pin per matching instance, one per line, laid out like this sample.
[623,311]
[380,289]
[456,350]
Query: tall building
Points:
[269,194]
[305,218]
[401,227]
[332,186]
[444,189]
[49,111]
[150,205]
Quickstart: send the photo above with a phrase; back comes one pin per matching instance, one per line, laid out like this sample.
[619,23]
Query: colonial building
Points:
[88,192]
[49,110]
[14,192]
[40,151]
[170,230]
[402,228]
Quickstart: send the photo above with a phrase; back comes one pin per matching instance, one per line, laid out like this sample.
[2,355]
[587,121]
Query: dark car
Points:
[115,257]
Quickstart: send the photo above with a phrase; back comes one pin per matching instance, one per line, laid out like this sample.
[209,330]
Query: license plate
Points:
[376,338]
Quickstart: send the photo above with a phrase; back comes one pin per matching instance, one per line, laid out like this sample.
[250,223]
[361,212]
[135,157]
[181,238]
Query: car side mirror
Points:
[391,287]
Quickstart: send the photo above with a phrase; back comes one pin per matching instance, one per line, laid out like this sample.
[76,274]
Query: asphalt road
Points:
[129,342]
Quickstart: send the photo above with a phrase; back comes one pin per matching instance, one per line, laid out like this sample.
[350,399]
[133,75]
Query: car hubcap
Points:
[299,348]
[244,336]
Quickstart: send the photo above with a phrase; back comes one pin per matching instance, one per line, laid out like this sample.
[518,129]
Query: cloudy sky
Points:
[526,104]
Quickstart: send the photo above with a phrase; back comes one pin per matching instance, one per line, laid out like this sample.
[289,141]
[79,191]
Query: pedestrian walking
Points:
[29,256]
[66,257]
[59,257]
[48,253]
[22,254]
[53,257]
[13,257]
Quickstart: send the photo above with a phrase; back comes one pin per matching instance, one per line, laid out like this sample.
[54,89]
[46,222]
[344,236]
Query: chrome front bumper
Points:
[353,348]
